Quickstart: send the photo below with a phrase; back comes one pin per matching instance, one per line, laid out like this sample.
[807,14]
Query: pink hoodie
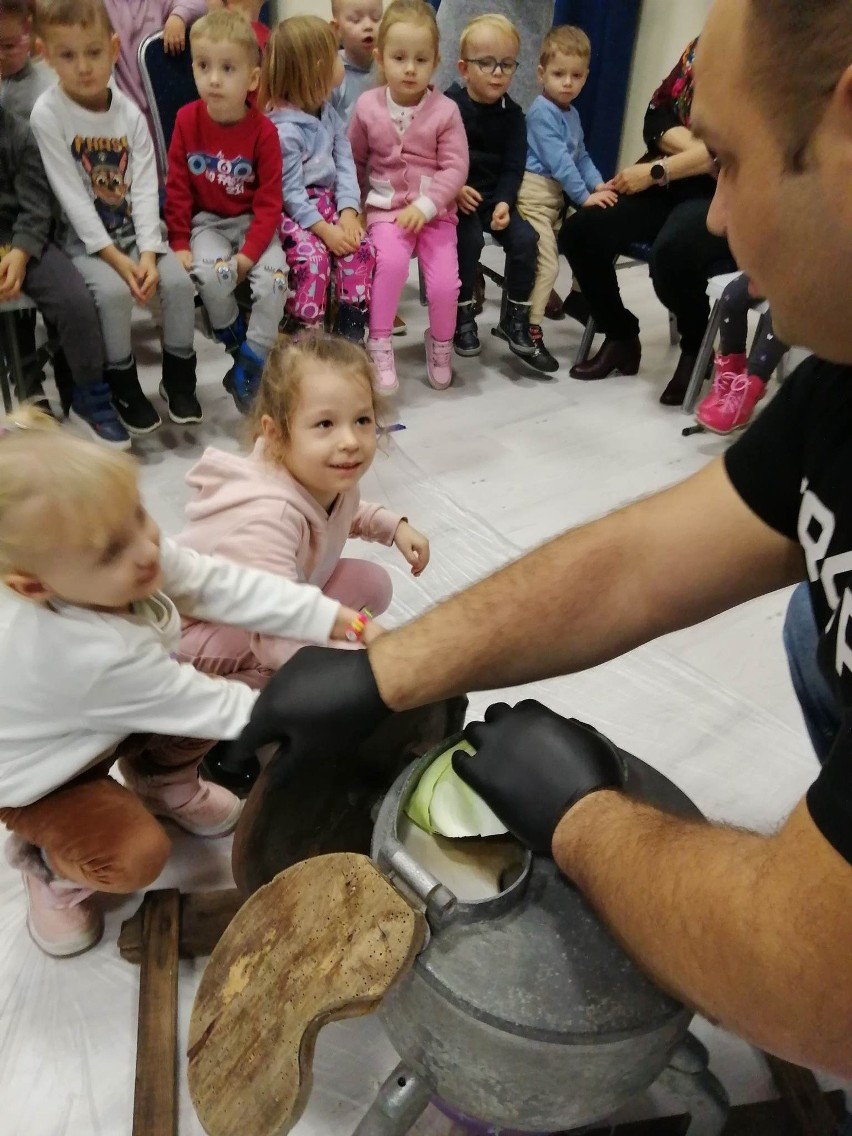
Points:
[250,511]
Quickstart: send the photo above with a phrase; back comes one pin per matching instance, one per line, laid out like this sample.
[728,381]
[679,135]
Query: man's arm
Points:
[660,564]
[752,931]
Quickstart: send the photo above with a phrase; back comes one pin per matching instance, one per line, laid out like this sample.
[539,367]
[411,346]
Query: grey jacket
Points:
[26,202]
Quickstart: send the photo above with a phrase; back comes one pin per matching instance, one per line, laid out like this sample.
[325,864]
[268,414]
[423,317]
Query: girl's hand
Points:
[500,216]
[601,197]
[350,224]
[346,616]
[174,35]
[413,545]
[411,219]
[468,199]
[185,258]
[13,269]
[633,179]
[334,238]
[147,276]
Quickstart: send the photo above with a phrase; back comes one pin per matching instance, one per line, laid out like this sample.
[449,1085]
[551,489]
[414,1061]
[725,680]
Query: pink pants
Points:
[227,651]
[311,263]
[435,246]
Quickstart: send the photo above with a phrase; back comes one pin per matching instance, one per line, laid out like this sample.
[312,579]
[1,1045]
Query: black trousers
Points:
[519,240]
[684,255]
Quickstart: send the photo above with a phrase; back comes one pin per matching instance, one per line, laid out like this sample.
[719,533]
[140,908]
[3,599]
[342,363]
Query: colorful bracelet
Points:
[355,631]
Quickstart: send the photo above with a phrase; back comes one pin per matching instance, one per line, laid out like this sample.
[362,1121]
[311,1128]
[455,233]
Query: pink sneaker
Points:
[734,408]
[726,368]
[200,807]
[61,919]
[381,352]
[439,366]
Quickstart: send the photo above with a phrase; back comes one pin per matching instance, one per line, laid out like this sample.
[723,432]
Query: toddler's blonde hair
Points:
[58,491]
[298,63]
[227,25]
[416,12]
[565,40]
[491,21]
[289,366]
[71,14]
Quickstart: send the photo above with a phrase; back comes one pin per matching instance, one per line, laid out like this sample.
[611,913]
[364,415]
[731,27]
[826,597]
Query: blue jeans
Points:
[818,704]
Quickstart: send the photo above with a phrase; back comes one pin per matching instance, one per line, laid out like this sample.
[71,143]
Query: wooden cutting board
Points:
[326,939]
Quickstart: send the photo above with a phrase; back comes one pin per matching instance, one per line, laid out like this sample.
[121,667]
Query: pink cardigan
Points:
[429,160]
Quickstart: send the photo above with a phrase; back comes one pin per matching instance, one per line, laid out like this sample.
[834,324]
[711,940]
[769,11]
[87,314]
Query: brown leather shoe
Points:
[616,357]
[675,392]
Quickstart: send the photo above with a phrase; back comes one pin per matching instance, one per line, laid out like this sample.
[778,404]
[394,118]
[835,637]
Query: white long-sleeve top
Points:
[102,168]
[74,682]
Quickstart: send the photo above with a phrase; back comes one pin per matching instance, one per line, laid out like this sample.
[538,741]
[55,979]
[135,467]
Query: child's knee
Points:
[135,861]
[379,589]
[176,288]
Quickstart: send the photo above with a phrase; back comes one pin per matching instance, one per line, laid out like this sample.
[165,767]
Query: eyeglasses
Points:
[490,66]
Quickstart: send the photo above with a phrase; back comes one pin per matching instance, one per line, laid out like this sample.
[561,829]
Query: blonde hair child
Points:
[411,154]
[320,229]
[91,596]
[291,504]
[356,24]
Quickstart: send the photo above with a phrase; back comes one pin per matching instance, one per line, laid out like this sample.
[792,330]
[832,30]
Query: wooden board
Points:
[204,915]
[155,1097]
[325,939]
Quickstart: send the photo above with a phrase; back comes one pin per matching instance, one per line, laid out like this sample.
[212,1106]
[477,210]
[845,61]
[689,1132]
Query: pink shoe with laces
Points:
[381,352]
[439,361]
[733,410]
[199,807]
[61,919]
[726,368]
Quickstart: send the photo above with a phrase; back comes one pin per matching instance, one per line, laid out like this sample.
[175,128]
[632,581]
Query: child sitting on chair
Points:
[22,78]
[356,24]
[223,197]
[497,140]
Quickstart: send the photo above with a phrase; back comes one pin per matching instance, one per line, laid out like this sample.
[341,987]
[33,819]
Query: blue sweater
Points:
[555,149]
[315,152]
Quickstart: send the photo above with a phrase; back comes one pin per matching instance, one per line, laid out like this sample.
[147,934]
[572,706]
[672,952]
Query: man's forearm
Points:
[747,929]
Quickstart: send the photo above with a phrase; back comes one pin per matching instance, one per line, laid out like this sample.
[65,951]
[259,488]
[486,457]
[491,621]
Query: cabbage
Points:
[444,804]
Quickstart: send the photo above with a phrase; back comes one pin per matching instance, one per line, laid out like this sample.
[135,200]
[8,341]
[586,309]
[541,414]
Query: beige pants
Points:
[540,202]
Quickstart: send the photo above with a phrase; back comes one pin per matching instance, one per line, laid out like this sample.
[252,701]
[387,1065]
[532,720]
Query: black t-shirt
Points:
[793,468]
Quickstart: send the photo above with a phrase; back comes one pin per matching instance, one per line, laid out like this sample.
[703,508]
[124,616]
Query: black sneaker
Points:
[541,359]
[466,339]
[514,329]
[92,409]
[177,388]
[135,412]
[183,406]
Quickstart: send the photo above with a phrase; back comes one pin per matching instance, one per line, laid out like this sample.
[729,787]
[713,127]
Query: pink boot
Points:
[734,408]
[381,352]
[726,368]
[61,918]
[200,807]
[439,366]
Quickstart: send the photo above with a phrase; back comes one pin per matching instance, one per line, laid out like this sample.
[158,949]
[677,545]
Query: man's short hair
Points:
[565,40]
[71,14]
[809,46]
[493,22]
[227,25]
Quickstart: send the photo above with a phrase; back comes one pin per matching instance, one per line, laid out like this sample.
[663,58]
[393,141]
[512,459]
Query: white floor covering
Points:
[487,469]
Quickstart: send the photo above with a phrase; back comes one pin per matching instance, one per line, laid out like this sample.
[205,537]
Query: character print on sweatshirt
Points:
[104,162]
[232,174]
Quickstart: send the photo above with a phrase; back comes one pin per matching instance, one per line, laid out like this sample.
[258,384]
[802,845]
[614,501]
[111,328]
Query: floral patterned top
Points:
[671,103]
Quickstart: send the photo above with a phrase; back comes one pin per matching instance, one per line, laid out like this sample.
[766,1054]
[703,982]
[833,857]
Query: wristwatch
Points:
[659,173]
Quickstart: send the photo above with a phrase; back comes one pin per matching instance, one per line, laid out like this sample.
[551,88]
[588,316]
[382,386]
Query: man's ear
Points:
[28,586]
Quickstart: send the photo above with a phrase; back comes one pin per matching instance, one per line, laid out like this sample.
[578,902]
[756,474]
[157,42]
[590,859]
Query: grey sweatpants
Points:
[214,242]
[115,304]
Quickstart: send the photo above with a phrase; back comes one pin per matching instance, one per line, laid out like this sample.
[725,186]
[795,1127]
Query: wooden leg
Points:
[204,915]
[155,1097]
[803,1096]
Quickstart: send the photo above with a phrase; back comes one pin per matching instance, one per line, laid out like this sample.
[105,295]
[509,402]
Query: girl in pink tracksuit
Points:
[411,155]
[292,503]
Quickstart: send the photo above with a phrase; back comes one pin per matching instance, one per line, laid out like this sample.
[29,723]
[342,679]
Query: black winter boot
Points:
[349,323]
[514,328]
[135,412]
[64,381]
[178,388]
[466,339]
[542,360]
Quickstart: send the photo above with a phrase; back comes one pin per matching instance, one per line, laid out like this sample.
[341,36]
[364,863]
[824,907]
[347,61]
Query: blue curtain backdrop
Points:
[611,26]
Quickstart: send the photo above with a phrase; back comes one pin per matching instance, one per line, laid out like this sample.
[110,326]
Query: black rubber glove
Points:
[320,700]
[532,765]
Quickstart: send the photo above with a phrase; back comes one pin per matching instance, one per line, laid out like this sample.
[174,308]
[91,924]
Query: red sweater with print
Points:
[230,171]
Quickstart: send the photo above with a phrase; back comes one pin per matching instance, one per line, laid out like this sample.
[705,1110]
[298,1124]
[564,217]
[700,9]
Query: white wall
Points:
[283,8]
[665,28]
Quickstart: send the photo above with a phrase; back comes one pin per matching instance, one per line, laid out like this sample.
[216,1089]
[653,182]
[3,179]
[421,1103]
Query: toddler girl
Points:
[90,596]
[292,503]
[320,226]
[411,154]
[739,380]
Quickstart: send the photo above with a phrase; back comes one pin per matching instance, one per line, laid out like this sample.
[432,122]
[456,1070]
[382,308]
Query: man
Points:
[753,931]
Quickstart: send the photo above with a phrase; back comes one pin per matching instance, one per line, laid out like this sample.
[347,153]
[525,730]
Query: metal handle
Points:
[439,902]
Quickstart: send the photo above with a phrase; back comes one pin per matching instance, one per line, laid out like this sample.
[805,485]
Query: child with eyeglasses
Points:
[497,140]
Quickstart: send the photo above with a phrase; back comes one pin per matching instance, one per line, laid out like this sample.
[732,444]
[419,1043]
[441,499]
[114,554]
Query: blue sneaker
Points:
[92,407]
[233,336]
[243,379]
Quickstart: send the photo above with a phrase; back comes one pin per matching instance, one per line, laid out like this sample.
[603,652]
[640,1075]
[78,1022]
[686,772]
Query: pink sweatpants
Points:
[218,649]
[435,246]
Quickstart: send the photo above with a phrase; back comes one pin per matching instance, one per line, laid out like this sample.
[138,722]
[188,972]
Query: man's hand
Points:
[603,198]
[411,219]
[244,266]
[174,35]
[13,269]
[185,258]
[532,765]
[147,276]
[500,216]
[319,703]
[468,199]
[413,545]
[633,179]
[351,225]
